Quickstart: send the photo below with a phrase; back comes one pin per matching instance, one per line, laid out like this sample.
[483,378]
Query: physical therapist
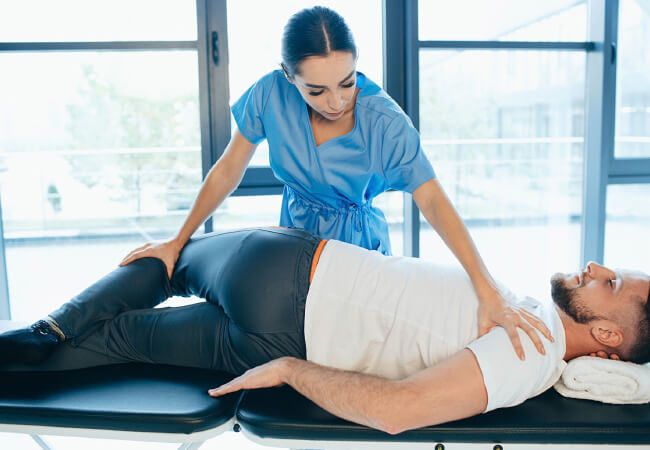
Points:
[336,141]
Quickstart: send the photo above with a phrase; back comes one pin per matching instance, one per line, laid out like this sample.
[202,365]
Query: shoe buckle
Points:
[41,328]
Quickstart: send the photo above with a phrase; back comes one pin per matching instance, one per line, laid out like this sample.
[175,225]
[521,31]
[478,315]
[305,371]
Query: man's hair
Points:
[640,351]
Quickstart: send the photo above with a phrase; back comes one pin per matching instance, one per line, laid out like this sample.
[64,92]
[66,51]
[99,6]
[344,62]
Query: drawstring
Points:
[356,211]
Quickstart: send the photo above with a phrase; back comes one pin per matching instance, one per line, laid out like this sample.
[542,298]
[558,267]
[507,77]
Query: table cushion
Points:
[282,413]
[128,397]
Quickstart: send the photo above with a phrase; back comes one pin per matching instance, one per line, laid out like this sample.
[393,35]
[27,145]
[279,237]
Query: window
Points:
[503,20]
[627,237]
[502,122]
[101,149]
[88,21]
[499,130]
[633,81]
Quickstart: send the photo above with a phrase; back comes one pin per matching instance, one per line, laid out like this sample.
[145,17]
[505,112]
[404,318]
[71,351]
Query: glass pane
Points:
[68,265]
[250,58]
[103,140]
[102,150]
[627,227]
[504,132]
[95,20]
[633,81]
[502,20]
[246,212]
[392,205]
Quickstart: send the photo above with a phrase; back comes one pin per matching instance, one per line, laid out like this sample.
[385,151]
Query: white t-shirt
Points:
[393,316]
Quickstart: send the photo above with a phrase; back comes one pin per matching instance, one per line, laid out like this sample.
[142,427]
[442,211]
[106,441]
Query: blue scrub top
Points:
[329,188]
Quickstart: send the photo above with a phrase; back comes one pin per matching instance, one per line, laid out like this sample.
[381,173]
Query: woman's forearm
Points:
[442,216]
[222,179]
[216,187]
[493,309]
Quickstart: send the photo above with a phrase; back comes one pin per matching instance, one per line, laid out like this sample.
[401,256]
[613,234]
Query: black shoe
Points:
[30,345]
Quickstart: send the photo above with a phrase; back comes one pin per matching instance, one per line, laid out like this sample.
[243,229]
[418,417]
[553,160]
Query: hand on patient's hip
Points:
[267,375]
[496,311]
[166,251]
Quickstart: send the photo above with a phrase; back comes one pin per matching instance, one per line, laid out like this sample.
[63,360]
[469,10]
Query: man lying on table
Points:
[389,342]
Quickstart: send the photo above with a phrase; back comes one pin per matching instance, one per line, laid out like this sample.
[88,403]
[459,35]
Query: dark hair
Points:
[640,352]
[314,31]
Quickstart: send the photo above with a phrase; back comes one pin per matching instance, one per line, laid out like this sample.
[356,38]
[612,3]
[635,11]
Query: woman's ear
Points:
[286,73]
[607,333]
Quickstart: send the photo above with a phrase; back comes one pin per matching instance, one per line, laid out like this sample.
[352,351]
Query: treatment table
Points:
[170,404]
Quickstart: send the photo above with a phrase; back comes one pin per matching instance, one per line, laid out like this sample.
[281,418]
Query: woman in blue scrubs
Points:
[336,141]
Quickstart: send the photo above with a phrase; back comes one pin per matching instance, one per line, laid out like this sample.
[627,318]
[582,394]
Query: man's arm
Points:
[450,390]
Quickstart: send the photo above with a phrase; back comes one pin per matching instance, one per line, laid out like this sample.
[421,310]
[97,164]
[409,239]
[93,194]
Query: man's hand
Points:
[604,355]
[267,375]
[495,311]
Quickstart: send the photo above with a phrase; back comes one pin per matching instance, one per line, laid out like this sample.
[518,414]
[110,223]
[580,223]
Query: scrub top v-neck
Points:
[329,188]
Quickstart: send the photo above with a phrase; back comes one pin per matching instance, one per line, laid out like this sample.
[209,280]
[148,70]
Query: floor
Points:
[226,441]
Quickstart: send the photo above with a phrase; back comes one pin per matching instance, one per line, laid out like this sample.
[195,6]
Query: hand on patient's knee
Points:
[166,251]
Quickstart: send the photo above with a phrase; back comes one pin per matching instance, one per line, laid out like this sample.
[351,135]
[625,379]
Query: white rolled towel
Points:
[605,380]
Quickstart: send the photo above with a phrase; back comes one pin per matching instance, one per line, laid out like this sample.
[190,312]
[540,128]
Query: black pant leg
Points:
[255,280]
[140,284]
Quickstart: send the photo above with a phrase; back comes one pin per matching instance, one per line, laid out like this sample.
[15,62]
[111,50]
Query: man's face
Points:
[598,292]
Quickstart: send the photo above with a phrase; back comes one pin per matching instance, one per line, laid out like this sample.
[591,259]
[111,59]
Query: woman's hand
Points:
[267,375]
[166,251]
[495,311]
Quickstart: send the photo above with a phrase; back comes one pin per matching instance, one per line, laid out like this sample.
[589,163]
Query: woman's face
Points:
[327,83]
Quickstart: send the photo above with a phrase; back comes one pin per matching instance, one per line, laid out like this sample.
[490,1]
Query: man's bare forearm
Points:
[357,397]
[450,390]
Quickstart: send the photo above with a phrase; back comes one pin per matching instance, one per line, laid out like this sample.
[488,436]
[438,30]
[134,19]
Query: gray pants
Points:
[255,284]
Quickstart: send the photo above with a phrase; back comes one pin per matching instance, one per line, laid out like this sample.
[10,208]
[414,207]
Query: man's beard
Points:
[568,301]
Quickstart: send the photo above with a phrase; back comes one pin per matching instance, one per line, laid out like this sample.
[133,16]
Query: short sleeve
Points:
[248,110]
[508,380]
[406,167]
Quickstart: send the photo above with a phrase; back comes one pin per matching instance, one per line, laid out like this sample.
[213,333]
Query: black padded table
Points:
[279,416]
[170,404]
[126,401]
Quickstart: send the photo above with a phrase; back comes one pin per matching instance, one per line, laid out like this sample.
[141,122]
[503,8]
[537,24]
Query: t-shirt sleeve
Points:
[508,380]
[406,167]
[249,109]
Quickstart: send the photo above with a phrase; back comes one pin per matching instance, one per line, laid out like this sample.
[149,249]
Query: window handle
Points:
[215,48]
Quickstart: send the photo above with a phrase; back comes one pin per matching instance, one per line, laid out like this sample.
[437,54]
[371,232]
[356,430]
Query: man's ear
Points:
[607,333]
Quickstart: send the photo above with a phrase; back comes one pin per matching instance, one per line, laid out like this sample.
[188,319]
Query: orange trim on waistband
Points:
[314,262]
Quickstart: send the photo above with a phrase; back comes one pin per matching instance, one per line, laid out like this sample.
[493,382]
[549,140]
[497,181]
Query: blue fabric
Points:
[329,188]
